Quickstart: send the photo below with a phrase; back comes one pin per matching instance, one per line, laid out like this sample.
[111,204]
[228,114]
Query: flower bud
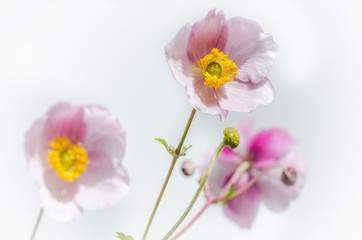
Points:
[289,176]
[188,168]
[232,137]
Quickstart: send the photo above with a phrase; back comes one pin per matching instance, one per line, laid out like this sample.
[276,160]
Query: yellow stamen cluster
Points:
[69,160]
[217,69]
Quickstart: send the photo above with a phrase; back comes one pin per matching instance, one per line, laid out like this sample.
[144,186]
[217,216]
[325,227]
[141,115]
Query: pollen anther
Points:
[68,160]
[217,69]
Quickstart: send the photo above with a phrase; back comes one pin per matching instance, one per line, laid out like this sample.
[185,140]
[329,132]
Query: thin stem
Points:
[191,204]
[207,191]
[174,159]
[251,182]
[37,223]
[237,173]
[178,149]
[207,204]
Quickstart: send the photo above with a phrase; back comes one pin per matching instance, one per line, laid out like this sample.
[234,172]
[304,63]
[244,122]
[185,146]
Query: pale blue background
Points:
[111,53]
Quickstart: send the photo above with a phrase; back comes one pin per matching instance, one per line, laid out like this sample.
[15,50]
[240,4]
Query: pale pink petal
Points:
[60,190]
[206,34]
[176,56]
[58,210]
[274,193]
[57,196]
[245,97]
[104,183]
[104,133]
[65,120]
[242,209]
[204,99]
[35,149]
[268,146]
[228,155]
[252,50]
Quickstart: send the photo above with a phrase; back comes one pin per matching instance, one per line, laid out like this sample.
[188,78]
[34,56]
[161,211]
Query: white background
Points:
[111,53]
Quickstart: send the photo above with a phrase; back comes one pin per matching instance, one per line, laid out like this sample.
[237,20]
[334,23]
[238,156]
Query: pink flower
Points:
[262,150]
[74,153]
[223,64]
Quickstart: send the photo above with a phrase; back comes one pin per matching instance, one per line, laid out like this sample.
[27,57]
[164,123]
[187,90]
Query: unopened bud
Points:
[232,137]
[188,168]
[289,176]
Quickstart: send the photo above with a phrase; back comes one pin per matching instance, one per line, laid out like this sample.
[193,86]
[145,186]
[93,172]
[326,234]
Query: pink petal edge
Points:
[252,50]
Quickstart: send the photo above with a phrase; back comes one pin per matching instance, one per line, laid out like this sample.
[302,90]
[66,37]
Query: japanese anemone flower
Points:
[282,173]
[74,153]
[223,64]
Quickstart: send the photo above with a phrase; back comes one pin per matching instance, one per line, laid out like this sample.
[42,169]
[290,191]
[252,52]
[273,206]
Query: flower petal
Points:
[242,209]
[252,50]
[104,133]
[65,120]
[35,150]
[245,97]
[204,99]
[228,155]
[103,185]
[245,133]
[57,196]
[106,181]
[59,189]
[176,56]
[60,211]
[206,34]
[268,146]
[274,193]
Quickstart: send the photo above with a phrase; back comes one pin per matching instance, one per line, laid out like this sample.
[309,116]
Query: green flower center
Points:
[214,69]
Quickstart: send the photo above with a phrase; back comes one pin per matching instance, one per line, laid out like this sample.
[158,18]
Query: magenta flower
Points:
[74,153]
[263,150]
[223,64]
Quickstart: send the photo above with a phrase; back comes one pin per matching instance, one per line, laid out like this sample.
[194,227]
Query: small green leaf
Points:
[170,149]
[163,141]
[122,236]
[184,149]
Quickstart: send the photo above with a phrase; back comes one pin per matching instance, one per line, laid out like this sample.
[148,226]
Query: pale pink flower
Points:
[74,153]
[264,149]
[223,64]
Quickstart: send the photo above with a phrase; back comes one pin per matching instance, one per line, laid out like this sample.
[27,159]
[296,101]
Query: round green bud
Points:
[232,137]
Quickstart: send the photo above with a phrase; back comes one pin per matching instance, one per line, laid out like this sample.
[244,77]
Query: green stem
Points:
[207,204]
[255,179]
[238,172]
[174,159]
[37,223]
[250,183]
[191,204]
